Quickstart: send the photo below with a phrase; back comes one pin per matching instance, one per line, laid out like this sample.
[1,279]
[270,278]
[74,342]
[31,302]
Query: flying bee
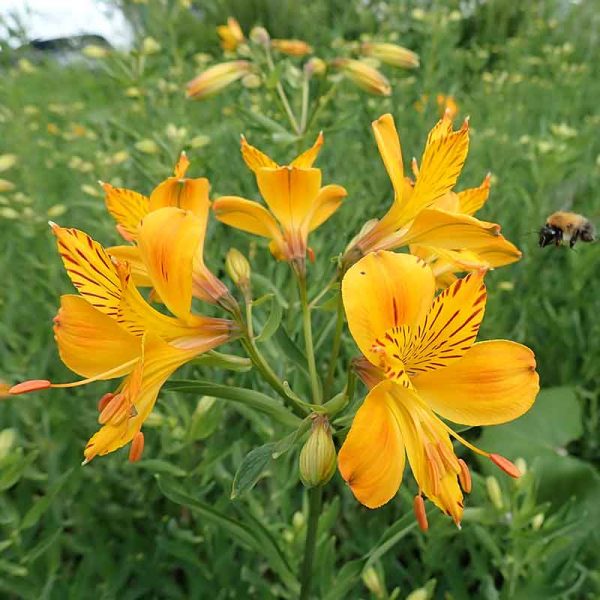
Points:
[565,227]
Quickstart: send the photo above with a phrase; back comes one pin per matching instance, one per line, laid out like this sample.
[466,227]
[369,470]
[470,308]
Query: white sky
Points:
[47,19]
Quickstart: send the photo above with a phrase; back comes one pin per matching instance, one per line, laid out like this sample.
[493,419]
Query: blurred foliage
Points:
[166,527]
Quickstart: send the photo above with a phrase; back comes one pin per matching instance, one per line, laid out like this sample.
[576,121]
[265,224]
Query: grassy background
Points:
[164,528]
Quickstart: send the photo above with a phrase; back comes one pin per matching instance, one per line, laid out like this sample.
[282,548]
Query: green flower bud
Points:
[494,492]
[317,457]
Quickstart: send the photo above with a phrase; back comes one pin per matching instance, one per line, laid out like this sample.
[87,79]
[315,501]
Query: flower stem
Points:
[305,99]
[282,96]
[308,340]
[337,344]
[315,498]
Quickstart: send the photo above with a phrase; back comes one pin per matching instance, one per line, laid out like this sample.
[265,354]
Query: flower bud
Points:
[318,457]
[150,46]
[537,521]
[291,47]
[315,66]
[251,81]
[373,582]
[298,520]
[494,492]
[231,34]
[447,105]
[391,54]
[364,76]
[95,51]
[259,35]
[238,269]
[418,594]
[217,78]
[6,186]
[147,146]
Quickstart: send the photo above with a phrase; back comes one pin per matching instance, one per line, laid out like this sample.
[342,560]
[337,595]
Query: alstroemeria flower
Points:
[128,208]
[109,330]
[424,362]
[297,204]
[414,218]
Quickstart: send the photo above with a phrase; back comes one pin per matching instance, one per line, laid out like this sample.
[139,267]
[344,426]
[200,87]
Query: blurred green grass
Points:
[529,80]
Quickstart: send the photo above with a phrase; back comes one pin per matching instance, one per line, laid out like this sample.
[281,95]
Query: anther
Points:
[464,476]
[111,409]
[311,254]
[137,447]
[104,401]
[506,465]
[33,385]
[420,514]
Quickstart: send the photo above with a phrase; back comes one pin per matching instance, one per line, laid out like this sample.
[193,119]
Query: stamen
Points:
[104,401]
[137,447]
[448,457]
[506,465]
[464,476]
[105,375]
[111,409]
[420,514]
[33,385]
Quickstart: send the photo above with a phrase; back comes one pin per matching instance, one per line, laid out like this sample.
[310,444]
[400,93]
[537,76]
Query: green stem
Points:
[308,340]
[322,103]
[305,98]
[315,498]
[337,344]
[282,95]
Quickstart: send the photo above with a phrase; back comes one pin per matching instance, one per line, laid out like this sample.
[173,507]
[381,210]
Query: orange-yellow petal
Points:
[246,215]
[388,143]
[385,290]
[139,393]
[182,166]
[471,200]
[372,458]
[90,268]
[450,327]
[438,228]
[131,255]
[187,194]
[168,241]
[499,252]
[326,203]
[308,157]
[254,158]
[89,342]
[127,208]
[494,382]
[442,162]
[429,449]
[289,193]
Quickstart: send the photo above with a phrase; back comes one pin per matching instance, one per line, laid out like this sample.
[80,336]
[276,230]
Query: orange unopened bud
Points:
[311,254]
[420,514]
[292,47]
[447,105]
[391,54]
[315,66]
[364,76]
[217,78]
[104,401]
[464,476]
[137,447]
[33,385]
[506,465]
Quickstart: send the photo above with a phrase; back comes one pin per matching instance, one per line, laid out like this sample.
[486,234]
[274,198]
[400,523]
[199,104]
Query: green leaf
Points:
[290,349]
[252,467]
[12,468]
[260,402]
[254,537]
[553,421]
[272,323]
[206,418]
[32,516]
[160,467]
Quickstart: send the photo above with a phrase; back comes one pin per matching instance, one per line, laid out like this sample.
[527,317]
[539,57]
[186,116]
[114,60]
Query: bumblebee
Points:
[566,227]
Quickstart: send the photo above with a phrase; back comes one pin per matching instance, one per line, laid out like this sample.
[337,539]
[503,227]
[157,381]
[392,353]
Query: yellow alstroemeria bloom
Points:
[414,218]
[231,34]
[297,204]
[424,362]
[291,47]
[109,330]
[129,208]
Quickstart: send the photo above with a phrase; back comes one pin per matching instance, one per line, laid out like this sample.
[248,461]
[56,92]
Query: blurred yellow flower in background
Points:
[231,34]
